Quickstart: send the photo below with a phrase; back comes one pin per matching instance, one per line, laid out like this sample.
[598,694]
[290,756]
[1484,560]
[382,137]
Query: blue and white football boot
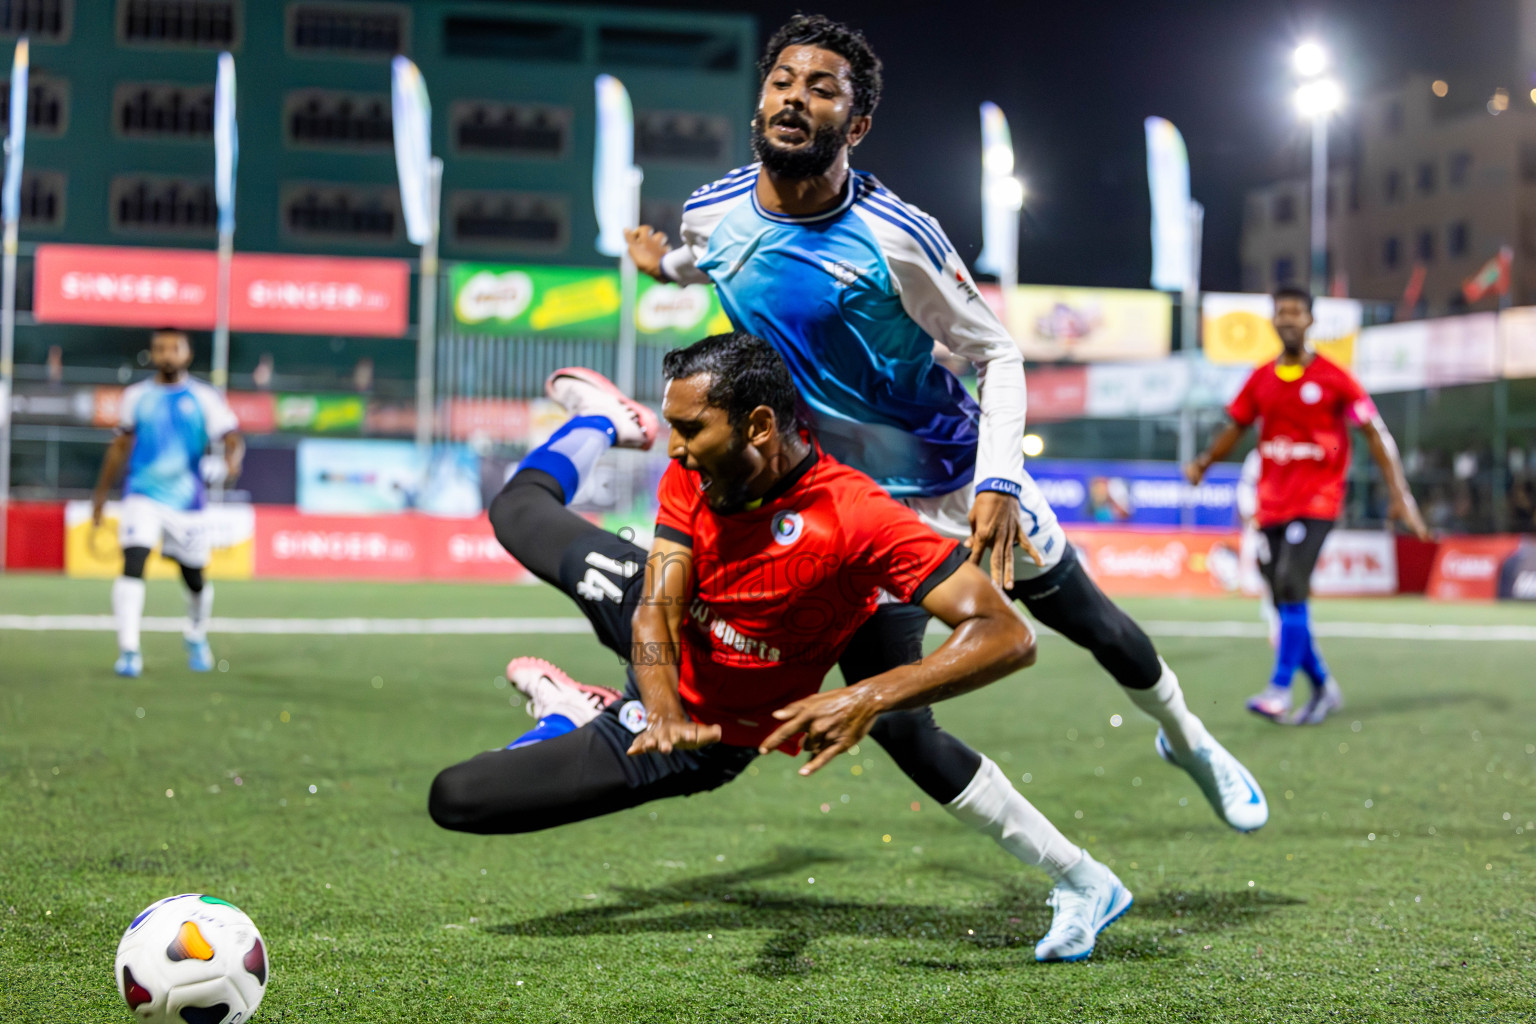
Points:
[199,655]
[1233,792]
[129,665]
[1088,899]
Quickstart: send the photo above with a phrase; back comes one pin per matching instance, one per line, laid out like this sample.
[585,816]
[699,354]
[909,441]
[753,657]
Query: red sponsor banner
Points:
[122,287]
[34,535]
[256,410]
[319,295]
[1467,568]
[107,407]
[1057,392]
[1183,563]
[133,287]
[290,544]
[498,419]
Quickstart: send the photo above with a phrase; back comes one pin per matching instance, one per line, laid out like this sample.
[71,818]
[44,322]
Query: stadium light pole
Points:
[1317,97]
[10,209]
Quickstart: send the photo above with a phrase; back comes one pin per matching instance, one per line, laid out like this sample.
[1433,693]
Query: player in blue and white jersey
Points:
[853,287]
[166,426]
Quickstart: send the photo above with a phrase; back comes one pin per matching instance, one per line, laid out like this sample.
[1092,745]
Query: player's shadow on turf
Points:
[1012,922]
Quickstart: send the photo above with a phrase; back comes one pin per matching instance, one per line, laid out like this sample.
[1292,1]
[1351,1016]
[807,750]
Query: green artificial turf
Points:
[114,793]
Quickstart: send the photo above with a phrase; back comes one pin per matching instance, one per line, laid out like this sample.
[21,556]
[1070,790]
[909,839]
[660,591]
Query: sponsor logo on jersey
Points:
[971,295]
[1311,393]
[1295,532]
[787,528]
[1282,451]
[845,272]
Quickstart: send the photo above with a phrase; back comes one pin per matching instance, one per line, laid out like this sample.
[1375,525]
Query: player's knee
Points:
[510,512]
[193,578]
[453,803]
[134,560]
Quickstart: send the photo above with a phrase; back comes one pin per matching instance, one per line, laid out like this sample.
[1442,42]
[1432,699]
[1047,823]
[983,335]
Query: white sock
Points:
[199,608]
[990,804]
[128,610]
[1164,702]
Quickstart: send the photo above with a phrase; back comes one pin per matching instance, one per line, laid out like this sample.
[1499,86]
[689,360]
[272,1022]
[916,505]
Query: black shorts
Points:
[1288,556]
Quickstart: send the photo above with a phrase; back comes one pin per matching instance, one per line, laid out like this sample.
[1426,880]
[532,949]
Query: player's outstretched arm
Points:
[111,469]
[990,639]
[1221,444]
[647,246]
[1402,507]
[657,653]
[234,456]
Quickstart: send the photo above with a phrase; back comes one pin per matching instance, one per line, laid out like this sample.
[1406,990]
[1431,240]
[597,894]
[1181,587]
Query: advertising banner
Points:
[1239,328]
[563,301]
[1353,563]
[133,287]
[1175,563]
[1090,324]
[1135,493]
[94,552]
[678,314]
[1429,353]
[1517,342]
[319,295]
[1137,389]
[373,477]
[290,544]
[321,414]
[1471,568]
[1057,392]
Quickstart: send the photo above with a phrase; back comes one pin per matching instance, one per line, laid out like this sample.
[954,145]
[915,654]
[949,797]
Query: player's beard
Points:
[731,482]
[807,161]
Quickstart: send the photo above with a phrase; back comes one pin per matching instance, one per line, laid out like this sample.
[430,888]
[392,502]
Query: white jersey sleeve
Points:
[938,293]
[128,407]
[701,212]
[218,417]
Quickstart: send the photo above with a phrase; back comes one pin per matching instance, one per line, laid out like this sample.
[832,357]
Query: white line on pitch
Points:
[359,626]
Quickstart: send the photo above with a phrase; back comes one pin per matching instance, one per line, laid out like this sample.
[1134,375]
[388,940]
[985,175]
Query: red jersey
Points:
[779,589]
[1304,437]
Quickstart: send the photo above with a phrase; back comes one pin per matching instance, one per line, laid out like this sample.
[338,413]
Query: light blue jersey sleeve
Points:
[171,426]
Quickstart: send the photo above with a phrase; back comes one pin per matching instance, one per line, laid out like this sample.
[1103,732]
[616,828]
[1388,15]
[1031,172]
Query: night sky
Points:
[1076,80]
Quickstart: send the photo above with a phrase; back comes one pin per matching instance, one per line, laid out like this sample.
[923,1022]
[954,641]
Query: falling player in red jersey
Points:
[1305,405]
[769,555]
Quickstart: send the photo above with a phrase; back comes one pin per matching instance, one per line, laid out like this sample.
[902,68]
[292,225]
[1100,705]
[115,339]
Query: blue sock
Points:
[548,728]
[1295,641]
[1312,662]
[572,451]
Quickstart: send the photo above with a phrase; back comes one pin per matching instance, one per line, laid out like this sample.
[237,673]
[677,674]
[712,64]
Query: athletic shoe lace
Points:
[1071,906]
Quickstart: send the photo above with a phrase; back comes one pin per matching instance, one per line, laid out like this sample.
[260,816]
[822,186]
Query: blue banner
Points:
[1136,493]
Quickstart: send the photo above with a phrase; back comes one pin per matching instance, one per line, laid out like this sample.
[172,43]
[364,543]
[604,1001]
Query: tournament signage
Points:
[576,302]
[1086,325]
[132,287]
[1239,328]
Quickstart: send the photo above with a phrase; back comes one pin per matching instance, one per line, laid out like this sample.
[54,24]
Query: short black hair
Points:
[1294,291]
[825,34]
[744,373]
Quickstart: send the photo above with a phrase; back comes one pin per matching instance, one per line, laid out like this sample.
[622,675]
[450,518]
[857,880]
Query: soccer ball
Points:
[192,959]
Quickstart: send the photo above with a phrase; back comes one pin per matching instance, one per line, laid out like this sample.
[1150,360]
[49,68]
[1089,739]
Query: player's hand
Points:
[995,524]
[666,733]
[98,503]
[833,721]
[646,247]
[1405,510]
[232,468]
[1194,472]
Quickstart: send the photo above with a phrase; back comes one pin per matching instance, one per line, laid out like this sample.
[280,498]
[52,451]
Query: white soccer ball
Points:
[192,959]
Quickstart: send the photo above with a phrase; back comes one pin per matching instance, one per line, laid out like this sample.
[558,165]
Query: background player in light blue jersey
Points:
[853,287]
[167,424]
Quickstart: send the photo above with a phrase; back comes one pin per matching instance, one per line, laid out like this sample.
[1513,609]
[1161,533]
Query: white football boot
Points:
[1088,899]
[1273,703]
[584,392]
[552,692]
[1231,789]
[1324,702]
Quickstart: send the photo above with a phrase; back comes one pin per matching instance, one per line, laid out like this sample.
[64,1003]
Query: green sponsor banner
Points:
[321,414]
[578,302]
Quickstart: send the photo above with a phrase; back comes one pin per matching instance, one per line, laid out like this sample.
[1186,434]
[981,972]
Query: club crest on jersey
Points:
[845,272]
[787,527]
[1311,393]
[632,716]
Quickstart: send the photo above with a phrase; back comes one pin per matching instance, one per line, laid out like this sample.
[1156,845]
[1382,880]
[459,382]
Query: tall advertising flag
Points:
[10,208]
[16,143]
[1001,196]
[1168,178]
[413,148]
[615,179]
[226,142]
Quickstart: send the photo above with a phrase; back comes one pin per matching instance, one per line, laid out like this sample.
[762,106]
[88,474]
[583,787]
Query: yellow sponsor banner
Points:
[1089,325]
[92,552]
[1239,328]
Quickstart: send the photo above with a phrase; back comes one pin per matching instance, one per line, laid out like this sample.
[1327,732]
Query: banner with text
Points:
[1136,493]
[1239,328]
[1086,325]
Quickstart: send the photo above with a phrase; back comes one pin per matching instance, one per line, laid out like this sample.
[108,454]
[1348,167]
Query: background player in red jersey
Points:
[1306,405]
[769,555]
